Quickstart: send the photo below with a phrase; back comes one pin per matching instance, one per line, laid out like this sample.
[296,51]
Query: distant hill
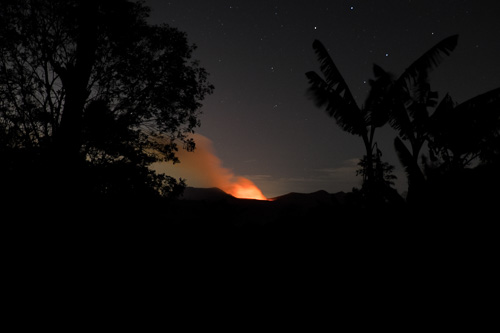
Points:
[307,200]
[291,205]
[204,208]
[206,194]
[304,200]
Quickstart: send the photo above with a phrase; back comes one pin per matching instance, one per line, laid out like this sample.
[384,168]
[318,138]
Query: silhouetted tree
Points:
[379,191]
[382,170]
[460,134]
[462,168]
[456,135]
[408,102]
[333,93]
[91,82]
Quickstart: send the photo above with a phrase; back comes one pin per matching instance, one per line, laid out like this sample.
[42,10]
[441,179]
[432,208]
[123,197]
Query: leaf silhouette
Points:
[428,61]
[333,77]
[481,102]
[411,95]
[347,114]
[412,170]
[335,94]
[475,121]
[376,103]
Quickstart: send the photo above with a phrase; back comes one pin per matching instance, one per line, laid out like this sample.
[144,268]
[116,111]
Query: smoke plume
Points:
[202,168]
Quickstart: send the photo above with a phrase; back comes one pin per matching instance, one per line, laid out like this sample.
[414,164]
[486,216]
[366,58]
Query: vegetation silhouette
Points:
[408,103]
[90,95]
[457,136]
[464,152]
[331,91]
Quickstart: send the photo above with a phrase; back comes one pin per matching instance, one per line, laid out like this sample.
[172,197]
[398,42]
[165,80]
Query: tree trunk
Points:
[67,162]
[75,79]
[369,159]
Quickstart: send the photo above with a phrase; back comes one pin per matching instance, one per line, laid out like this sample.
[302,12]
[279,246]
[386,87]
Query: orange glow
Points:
[243,188]
[202,168]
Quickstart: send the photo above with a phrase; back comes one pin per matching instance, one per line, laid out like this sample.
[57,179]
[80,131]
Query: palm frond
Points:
[476,120]
[483,101]
[412,87]
[400,120]
[379,71]
[428,61]
[442,112]
[318,89]
[347,115]
[332,75]
[378,102]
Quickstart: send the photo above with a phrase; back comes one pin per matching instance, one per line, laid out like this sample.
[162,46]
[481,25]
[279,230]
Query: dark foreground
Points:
[209,219]
[302,252]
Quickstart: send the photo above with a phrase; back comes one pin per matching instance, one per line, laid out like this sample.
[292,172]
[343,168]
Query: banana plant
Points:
[409,102]
[462,133]
[411,96]
[331,92]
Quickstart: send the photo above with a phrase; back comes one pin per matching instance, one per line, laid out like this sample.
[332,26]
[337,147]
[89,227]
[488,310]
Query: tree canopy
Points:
[87,82]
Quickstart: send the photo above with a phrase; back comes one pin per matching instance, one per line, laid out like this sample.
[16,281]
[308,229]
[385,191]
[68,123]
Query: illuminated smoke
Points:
[202,168]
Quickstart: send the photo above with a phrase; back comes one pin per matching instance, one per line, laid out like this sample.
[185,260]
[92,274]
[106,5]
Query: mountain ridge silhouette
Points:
[211,194]
[205,194]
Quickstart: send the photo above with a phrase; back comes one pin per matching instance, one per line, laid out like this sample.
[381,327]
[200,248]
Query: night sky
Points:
[259,119]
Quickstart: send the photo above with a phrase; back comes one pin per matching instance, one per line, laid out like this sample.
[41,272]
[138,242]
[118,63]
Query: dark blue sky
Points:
[257,52]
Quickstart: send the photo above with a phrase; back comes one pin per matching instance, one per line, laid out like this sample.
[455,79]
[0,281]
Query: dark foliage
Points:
[463,140]
[91,95]
[460,134]
[332,93]
[427,62]
[407,103]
